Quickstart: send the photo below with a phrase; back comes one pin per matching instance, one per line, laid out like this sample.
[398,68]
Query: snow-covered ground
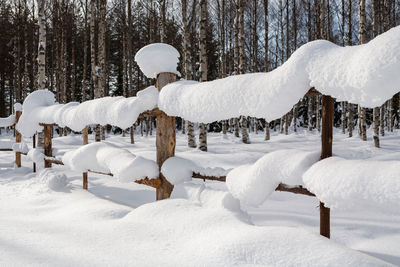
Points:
[47,219]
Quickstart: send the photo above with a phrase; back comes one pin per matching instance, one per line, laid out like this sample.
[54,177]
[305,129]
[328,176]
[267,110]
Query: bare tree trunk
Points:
[130,50]
[350,122]
[267,136]
[376,126]
[203,66]
[363,36]
[94,70]
[41,56]
[26,56]
[242,66]
[310,113]
[343,105]
[236,126]
[266,61]
[382,120]
[42,45]
[85,50]
[318,113]
[186,54]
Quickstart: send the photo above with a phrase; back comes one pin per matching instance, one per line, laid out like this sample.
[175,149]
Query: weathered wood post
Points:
[18,139]
[326,152]
[85,142]
[166,137]
[47,129]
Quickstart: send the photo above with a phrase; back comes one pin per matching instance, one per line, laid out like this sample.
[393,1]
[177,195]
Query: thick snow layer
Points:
[178,170]
[366,74]
[252,184]
[36,155]
[20,147]
[108,158]
[17,107]
[75,227]
[361,184]
[80,229]
[40,107]
[156,58]
[9,121]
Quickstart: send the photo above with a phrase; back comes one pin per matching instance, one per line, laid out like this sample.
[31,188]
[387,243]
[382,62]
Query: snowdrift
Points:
[41,107]
[366,74]
[358,184]
[107,158]
[252,184]
[178,170]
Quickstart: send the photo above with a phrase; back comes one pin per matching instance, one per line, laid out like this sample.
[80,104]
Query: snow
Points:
[17,107]
[36,155]
[40,107]
[108,158]
[6,122]
[156,58]
[346,73]
[358,184]
[20,147]
[6,144]
[201,226]
[52,180]
[253,183]
[178,170]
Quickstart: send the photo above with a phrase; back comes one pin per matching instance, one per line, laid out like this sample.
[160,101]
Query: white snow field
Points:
[47,219]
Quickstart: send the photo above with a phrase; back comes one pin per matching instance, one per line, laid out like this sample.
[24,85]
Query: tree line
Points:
[84,49]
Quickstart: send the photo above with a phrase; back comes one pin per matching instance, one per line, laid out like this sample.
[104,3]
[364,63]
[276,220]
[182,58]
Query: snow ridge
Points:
[365,74]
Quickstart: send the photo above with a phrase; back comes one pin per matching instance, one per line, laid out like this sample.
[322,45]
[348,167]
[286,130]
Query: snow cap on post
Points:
[156,58]
[17,107]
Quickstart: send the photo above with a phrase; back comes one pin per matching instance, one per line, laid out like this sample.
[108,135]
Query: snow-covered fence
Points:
[11,121]
[348,74]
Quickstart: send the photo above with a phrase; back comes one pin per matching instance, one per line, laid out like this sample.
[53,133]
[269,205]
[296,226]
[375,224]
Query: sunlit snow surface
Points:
[47,220]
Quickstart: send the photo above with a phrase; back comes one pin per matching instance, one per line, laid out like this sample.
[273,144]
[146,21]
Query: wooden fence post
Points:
[165,139]
[18,139]
[326,152]
[85,142]
[47,129]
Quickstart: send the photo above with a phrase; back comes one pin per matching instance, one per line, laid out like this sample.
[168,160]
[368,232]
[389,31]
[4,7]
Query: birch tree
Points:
[242,66]
[203,67]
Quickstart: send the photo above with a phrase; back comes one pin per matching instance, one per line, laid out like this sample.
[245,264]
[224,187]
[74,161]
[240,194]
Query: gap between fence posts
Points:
[326,152]
[85,142]
[165,138]
[18,139]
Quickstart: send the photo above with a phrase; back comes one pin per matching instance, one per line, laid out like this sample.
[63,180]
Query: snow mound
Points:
[20,147]
[359,184]
[178,170]
[36,155]
[108,158]
[209,234]
[156,58]
[54,180]
[345,73]
[252,184]
[17,107]
[40,107]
